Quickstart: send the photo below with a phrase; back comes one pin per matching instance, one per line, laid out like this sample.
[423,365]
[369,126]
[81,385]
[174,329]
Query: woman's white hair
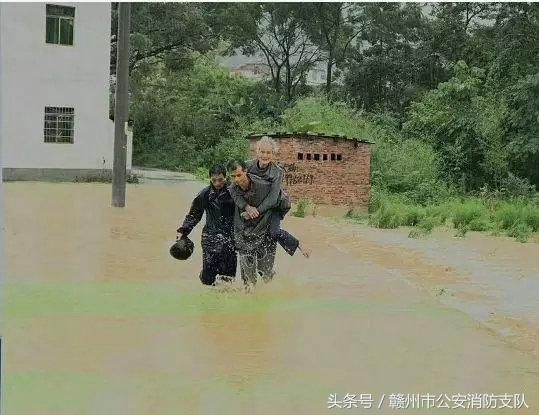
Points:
[269,141]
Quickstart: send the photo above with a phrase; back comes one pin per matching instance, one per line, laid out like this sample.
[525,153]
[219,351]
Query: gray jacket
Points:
[250,233]
[273,174]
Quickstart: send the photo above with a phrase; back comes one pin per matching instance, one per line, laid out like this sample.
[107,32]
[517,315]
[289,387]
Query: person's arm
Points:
[194,216]
[238,199]
[272,199]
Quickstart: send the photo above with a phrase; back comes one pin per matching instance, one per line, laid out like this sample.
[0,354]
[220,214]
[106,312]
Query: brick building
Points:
[328,169]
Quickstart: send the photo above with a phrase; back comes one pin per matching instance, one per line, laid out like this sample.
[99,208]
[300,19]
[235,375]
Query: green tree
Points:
[166,33]
[447,118]
[384,71]
[516,44]
[275,31]
[181,118]
[333,27]
[522,124]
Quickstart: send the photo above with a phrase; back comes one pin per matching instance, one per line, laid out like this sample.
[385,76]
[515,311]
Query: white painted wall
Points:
[36,74]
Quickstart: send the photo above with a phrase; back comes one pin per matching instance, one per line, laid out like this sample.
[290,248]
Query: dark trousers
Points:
[258,262]
[218,258]
[285,239]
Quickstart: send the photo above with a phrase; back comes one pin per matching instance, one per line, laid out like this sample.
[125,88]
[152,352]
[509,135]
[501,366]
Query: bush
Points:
[192,118]
[428,224]
[409,168]
[317,114]
[387,217]
[412,215]
[508,216]
[105,178]
[301,208]
[520,231]
[512,214]
[530,214]
[466,213]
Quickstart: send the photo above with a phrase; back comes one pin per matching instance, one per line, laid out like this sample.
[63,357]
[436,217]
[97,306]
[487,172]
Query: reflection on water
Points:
[100,319]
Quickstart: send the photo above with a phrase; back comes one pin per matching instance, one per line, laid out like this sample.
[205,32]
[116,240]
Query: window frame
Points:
[60,18]
[58,116]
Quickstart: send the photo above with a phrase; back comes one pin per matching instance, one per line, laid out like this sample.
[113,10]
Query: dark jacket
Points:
[219,208]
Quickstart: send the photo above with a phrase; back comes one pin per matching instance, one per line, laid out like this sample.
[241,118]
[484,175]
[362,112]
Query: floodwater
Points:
[99,319]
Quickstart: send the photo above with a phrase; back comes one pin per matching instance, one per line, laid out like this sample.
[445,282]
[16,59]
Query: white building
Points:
[256,67]
[54,91]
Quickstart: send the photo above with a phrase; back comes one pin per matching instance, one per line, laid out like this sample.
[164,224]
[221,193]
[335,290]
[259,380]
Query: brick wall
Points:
[332,182]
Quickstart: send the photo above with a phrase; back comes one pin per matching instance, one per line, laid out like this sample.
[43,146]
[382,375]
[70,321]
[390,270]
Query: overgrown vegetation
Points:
[515,217]
[106,178]
[301,208]
[449,94]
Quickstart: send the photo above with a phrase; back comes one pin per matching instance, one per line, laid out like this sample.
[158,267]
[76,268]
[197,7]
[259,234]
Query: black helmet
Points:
[182,248]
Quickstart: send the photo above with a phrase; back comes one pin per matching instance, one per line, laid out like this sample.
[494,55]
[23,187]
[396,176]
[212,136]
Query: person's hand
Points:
[252,211]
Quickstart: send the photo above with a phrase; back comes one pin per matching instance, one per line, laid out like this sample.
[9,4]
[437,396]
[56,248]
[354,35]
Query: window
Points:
[300,156]
[59,124]
[59,27]
[332,156]
[325,157]
[339,157]
[316,157]
[308,156]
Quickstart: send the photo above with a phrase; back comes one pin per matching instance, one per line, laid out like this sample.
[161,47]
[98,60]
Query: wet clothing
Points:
[218,254]
[277,201]
[258,262]
[223,262]
[250,233]
[273,174]
[256,248]
[288,241]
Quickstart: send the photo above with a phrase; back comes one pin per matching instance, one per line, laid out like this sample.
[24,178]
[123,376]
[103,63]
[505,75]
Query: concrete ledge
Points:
[55,175]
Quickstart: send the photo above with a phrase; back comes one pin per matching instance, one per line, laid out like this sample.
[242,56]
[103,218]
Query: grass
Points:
[130,178]
[301,208]
[518,218]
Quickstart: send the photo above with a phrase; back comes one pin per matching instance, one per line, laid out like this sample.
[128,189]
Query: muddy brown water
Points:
[99,319]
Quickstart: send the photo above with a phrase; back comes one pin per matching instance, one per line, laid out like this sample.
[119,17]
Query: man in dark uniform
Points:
[218,254]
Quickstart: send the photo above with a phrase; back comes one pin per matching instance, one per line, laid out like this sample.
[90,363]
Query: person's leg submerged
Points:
[248,267]
[228,264]
[266,259]
[209,269]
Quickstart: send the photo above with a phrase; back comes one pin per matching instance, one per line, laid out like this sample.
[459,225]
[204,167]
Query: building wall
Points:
[36,74]
[345,182]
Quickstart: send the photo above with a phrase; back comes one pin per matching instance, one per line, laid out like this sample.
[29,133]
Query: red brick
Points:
[345,182]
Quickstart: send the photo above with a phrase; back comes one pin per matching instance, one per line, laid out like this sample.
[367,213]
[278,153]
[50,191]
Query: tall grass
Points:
[518,218]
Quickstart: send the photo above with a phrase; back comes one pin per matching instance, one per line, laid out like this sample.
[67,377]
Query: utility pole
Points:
[121,109]
[2,221]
